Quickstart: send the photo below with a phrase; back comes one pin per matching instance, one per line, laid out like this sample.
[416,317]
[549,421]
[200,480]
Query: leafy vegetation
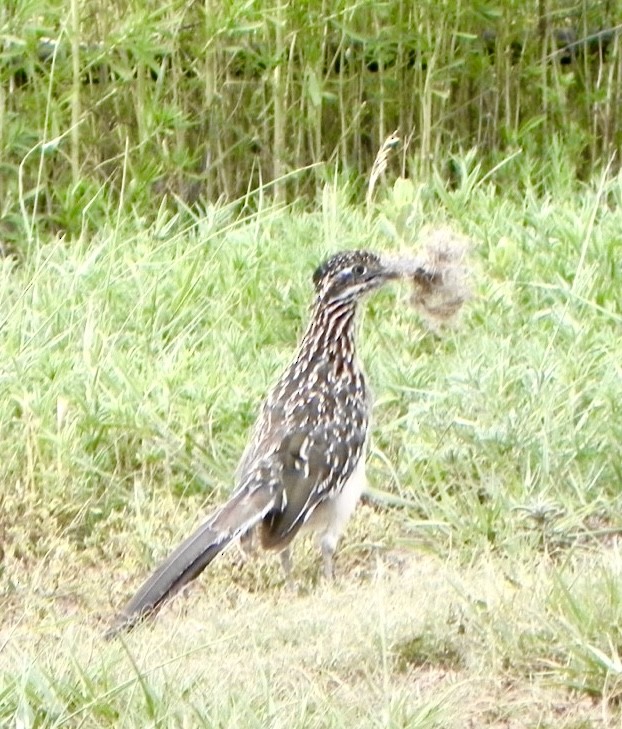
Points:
[181,102]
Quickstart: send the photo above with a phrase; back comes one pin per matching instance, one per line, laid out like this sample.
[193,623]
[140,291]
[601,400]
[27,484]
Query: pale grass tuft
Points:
[380,164]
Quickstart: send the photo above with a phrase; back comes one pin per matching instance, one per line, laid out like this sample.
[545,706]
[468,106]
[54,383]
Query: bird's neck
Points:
[326,357]
[330,335]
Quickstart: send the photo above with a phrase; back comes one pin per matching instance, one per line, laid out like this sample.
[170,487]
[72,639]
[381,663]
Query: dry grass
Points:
[403,638]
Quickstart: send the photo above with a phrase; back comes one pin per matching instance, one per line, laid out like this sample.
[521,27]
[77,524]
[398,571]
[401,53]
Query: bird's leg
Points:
[248,545]
[328,544]
[286,563]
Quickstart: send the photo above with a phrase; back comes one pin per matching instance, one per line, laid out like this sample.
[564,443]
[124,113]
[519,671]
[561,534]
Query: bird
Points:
[303,468]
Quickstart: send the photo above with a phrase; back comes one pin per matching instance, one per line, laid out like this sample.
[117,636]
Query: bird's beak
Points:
[395,267]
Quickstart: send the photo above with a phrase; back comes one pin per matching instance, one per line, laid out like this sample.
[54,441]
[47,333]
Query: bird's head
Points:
[348,275]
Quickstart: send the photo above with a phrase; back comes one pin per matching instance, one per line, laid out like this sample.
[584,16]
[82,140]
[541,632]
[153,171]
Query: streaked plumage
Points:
[304,464]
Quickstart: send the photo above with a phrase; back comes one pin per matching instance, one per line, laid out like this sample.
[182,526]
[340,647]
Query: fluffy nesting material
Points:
[440,276]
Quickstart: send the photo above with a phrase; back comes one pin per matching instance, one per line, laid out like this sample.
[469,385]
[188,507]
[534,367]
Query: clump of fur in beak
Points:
[440,275]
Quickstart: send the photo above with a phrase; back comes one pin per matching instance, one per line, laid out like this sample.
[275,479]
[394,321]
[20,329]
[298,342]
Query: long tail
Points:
[238,516]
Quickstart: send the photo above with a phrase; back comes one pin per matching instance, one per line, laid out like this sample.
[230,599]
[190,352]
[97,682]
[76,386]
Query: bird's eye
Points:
[359,269]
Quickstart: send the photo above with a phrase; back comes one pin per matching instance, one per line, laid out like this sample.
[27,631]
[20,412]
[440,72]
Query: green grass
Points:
[482,583]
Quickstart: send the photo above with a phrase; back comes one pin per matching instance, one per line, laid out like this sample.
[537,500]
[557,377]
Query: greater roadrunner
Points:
[304,466]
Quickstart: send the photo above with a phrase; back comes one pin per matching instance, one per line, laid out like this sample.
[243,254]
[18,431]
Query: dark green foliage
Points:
[129,106]
[427,650]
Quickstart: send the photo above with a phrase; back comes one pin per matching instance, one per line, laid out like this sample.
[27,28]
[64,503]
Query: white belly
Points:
[330,518]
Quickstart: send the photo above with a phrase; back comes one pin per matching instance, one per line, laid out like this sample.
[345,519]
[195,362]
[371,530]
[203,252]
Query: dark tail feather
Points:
[238,516]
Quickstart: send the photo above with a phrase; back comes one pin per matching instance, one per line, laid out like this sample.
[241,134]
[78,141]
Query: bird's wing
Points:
[314,463]
[266,436]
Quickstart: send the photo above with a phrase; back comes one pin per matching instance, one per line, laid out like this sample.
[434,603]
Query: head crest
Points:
[342,262]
